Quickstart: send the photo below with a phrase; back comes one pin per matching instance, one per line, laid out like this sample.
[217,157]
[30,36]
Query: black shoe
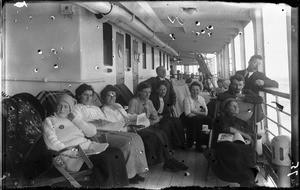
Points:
[199,149]
[133,180]
[170,167]
[179,165]
[140,178]
[189,145]
[136,179]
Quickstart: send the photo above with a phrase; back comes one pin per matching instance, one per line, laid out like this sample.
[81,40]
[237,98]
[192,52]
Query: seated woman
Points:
[194,116]
[131,144]
[175,132]
[159,147]
[66,129]
[236,161]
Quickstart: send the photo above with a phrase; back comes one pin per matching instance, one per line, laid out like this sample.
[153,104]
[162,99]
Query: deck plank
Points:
[200,170]
[153,179]
[190,161]
[157,178]
[181,156]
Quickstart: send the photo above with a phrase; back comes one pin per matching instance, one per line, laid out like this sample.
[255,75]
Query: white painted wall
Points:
[78,44]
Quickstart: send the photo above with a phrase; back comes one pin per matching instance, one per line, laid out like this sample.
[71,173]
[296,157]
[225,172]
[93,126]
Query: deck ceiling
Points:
[226,18]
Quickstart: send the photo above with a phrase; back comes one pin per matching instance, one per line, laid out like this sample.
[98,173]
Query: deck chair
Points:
[48,99]
[124,94]
[57,173]
[247,112]
[28,161]
[181,91]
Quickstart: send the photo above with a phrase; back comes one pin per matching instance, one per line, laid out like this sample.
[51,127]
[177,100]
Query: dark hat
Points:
[224,103]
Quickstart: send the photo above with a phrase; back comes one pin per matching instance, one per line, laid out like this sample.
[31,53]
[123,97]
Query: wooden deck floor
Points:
[157,178]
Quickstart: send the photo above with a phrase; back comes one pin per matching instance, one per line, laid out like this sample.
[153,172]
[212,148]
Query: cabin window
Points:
[159,58]
[249,41]
[152,53]
[167,62]
[107,44]
[231,66]
[128,50]
[144,56]
[237,53]
[164,59]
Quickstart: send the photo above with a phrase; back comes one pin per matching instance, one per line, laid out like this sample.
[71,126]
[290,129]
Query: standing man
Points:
[170,97]
[255,80]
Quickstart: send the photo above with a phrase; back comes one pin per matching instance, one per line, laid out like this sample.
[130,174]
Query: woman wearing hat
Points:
[65,129]
[236,161]
[131,144]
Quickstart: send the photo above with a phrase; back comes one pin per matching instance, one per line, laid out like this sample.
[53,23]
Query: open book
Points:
[236,137]
[141,121]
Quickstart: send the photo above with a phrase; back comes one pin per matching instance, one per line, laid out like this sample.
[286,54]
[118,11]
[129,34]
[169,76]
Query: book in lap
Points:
[236,137]
[142,120]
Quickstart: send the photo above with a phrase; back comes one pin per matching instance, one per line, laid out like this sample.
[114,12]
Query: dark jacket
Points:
[250,82]
[156,104]
[249,96]
[170,98]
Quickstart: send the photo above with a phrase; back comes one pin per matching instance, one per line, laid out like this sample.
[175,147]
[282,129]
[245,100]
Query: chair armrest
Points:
[75,148]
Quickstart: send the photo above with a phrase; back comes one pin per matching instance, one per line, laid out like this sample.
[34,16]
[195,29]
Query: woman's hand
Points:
[71,116]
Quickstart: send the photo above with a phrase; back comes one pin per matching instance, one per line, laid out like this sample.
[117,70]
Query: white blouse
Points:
[89,112]
[118,115]
[194,105]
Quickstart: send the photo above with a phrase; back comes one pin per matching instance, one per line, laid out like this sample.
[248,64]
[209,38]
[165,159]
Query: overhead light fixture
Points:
[189,10]
[197,33]
[171,35]
[209,34]
[171,19]
[202,31]
[197,23]
[210,27]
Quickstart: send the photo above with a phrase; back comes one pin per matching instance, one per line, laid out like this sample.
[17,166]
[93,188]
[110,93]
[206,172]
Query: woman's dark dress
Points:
[235,161]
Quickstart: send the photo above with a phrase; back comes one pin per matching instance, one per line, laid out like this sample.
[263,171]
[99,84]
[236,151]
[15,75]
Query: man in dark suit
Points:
[255,80]
[237,91]
[170,97]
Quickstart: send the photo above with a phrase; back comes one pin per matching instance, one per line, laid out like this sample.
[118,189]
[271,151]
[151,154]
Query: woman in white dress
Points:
[130,143]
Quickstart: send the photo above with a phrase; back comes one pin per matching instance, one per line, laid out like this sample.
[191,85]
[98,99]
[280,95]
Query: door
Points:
[135,68]
[120,57]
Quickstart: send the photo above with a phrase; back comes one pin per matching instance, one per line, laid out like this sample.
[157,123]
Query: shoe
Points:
[170,167]
[255,170]
[199,149]
[179,165]
[140,178]
[136,179]
[189,145]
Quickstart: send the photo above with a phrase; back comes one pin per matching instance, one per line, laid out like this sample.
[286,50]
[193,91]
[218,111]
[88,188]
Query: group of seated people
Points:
[76,120]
